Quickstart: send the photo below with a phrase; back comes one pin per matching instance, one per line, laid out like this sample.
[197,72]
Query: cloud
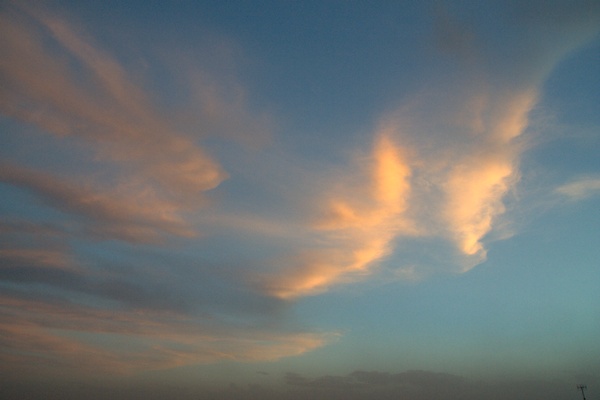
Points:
[152,173]
[133,174]
[112,271]
[39,336]
[580,188]
[418,384]
[46,259]
[128,213]
[442,167]
[109,109]
[374,379]
[430,175]
[377,385]
[355,224]
[75,314]
[466,140]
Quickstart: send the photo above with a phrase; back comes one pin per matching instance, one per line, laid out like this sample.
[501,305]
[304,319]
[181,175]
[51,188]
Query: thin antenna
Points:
[581,387]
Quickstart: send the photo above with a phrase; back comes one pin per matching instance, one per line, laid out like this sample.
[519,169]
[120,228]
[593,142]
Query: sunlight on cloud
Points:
[417,188]
[391,176]
[358,221]
[476,185]
[133,215]
[474,193]
[145,179]
[108,111]
[452,188]
[510,118]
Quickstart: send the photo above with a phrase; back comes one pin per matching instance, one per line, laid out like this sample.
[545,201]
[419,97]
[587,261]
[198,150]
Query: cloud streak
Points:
[55,78]
[150,175]
[128,213]
[109,111]
[43,335]
[581,188]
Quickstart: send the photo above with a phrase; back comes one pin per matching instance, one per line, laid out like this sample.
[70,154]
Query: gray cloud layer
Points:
[358,385]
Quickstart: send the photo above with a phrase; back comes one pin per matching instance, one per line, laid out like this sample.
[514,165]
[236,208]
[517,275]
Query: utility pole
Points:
[581,387]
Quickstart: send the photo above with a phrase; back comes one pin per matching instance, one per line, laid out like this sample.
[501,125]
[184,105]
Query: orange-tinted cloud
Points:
[414,187]
[39,336]
[439,169]
[41,258]
[146,175]
[109,110]
[153,169]
[356,225]
[475,192]
[479,178]
[125,213]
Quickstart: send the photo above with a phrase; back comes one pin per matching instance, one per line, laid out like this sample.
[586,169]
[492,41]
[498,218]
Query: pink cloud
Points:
[153,172]
[129,214]
[41,336]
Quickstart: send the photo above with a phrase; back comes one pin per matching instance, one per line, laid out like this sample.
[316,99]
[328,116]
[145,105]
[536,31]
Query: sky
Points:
[299,199]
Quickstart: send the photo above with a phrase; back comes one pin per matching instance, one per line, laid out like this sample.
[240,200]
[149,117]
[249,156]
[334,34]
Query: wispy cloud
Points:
[414,187]
[109,110]
[150,174]
[55,78]
[40,335]
[127,212]
[441,168]
[355,224]
[580,188]
[482,175]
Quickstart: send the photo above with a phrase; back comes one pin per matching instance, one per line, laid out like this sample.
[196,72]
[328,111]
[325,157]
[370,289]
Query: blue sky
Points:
[299,199]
